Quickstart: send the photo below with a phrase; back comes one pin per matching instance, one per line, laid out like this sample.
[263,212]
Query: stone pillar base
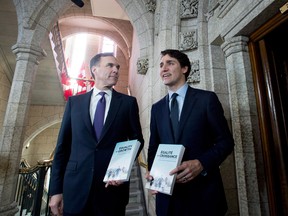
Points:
[9,210]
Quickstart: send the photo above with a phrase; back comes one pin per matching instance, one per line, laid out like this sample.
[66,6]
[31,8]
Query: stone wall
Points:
[41,147]
[5,86]
[41,132]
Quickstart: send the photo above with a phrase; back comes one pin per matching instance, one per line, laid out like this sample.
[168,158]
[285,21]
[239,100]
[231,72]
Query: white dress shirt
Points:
[180,98]
[95,97]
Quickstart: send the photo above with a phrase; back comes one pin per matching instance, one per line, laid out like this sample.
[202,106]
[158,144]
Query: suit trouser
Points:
[93,208]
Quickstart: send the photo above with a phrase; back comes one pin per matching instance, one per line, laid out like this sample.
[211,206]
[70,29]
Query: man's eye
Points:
[111,65]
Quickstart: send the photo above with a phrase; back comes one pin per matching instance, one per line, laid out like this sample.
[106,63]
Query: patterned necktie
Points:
[99,115]
[174,115]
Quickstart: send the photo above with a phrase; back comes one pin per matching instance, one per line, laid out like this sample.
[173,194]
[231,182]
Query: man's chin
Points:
[111,85]
[166,82]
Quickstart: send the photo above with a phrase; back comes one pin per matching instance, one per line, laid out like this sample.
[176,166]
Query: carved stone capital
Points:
[235,45]
[28,52]
[142,66]
[9,210]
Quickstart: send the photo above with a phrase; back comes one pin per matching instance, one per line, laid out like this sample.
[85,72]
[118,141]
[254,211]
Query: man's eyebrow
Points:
[171,61]
[111,65]
[168,61]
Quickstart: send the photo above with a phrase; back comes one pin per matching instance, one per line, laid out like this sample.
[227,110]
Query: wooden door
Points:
[269,57]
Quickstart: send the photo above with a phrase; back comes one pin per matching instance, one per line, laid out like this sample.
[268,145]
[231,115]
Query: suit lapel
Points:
[166,120]
[86,111]
[187,109]
[113,110]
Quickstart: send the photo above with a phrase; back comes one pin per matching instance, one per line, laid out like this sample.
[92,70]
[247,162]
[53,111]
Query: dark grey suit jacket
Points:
[79,157]
[204,132]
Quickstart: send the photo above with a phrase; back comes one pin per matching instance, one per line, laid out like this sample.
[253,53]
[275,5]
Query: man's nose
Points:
[164,67]
[115,69]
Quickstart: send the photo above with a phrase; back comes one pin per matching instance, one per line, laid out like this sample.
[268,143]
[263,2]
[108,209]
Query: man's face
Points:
[106,72]
[171,72]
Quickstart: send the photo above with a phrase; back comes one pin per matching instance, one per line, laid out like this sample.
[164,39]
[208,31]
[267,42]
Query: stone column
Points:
[12,136]
[244,123]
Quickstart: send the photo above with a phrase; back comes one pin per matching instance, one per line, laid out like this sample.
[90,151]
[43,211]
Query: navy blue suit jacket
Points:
[204,132]
[79,157]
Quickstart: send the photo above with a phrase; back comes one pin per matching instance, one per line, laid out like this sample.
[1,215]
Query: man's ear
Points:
[184,69]
[93,69]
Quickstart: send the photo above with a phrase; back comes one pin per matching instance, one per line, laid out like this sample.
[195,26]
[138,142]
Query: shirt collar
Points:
[181,91]
[96,91]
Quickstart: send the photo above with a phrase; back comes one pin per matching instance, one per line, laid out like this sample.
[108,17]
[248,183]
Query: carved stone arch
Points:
[142,21]
[121,27]
[116,36]
[41,126]
[39,17]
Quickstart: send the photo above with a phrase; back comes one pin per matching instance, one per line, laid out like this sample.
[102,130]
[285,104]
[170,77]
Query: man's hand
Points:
[187,171]
[56,204]
[114,183]
[150,179]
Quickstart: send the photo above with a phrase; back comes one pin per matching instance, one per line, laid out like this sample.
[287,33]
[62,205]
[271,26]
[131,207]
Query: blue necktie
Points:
[99,115]
[174,115]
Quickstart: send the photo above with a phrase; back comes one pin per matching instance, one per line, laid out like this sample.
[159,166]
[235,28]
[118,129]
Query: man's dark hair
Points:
[96,59]
[181,57]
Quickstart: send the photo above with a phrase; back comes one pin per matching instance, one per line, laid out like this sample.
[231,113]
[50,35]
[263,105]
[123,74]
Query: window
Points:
[75,55]
[76,76]
[108,45]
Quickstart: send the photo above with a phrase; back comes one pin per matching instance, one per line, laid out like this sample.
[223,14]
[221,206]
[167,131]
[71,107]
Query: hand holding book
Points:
[121,162]
[150,180]
[187,171]
[167,158]
[113,183]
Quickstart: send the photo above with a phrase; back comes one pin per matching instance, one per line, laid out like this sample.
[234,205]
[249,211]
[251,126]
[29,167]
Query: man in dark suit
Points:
[81,159]
[202,128]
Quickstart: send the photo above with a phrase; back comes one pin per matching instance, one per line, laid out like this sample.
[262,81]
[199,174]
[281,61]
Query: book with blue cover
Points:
[122,160]
[167,158]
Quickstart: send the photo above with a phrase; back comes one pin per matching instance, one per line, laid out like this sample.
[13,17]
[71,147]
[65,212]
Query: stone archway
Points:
[142,20]
[35,20]
[40,145]
[40,126]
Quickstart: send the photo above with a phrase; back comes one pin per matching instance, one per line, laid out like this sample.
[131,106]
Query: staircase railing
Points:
[32,188]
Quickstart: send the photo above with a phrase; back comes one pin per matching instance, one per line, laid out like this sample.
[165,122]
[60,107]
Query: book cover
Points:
[168,157]
[122,160]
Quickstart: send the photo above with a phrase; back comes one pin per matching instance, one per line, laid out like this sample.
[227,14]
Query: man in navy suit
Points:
[203,130]
[81,159]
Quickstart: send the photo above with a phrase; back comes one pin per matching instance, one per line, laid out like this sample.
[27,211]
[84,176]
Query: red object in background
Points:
[80,84]
[67,93]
